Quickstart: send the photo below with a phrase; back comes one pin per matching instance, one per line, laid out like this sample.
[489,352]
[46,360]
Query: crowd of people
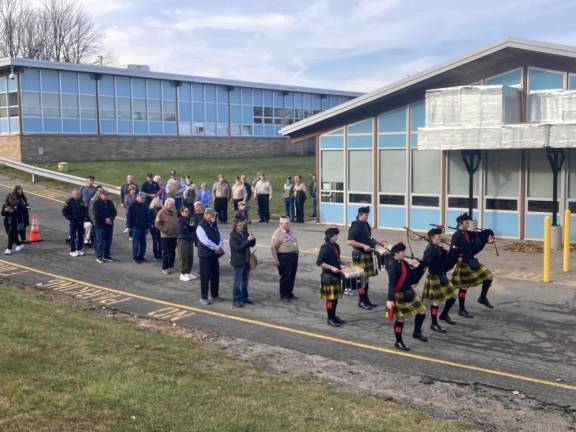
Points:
[178,217]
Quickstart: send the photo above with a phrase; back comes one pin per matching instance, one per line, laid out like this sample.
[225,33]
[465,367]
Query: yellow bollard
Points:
[547,249]
[566,245]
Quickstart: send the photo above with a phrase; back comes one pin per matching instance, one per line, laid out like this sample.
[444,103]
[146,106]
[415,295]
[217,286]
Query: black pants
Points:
[12,233]
[168,252]
[221,207]
[209,277]
[299,204]
[235,202]
[264,207]
[287,269]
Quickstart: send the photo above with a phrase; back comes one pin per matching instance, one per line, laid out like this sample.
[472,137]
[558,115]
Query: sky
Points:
[357,45]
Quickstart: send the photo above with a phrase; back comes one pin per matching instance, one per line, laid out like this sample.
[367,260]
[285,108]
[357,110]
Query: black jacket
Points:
[394,269]
[438,260]
[152,213]
[466,244]
[103,209]
[239,246]
[187,228]
[329,254]
[11,219]
[361,232]
[75,210]
[138,216]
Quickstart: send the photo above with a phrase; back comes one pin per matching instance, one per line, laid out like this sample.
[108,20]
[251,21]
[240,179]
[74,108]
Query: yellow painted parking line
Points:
[309,334]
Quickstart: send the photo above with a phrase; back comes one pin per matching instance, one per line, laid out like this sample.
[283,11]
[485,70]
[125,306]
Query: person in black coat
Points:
[76,212]
[438,288]
[186,244]
[154,208]
[10,211]
[104,215]
[138,222]
[469,272]
[240,244]
[331,279]
[402,301]
[23,213]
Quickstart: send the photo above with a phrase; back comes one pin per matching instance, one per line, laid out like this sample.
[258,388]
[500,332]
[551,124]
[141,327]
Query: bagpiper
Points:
[360,238]
[402,301]
[469,272]
[331,288]
[438,288]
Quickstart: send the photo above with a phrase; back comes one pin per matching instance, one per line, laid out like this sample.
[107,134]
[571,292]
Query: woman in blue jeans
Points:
[240,244]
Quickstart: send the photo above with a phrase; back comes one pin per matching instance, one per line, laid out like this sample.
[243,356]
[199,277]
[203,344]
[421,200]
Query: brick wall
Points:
[10,147]
[85,148]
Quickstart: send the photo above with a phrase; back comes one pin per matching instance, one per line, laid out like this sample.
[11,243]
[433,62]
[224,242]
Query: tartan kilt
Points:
[435,291]
[464,277]
[403,310]
[366,261]
[331,291]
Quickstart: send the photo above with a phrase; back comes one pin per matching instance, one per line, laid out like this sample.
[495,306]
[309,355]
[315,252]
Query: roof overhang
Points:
[492,60]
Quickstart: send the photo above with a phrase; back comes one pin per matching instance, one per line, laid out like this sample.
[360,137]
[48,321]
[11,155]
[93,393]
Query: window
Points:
[332,177]
[539,175]
[393,171]
[507,78]
[426,171]
[572,174]
[31,104]
[360,170]
[502,174]
[88,106]
[51,104]
[458,176]
[70,106]
[540,79]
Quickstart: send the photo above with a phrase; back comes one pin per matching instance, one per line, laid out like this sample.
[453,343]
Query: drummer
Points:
[360,238]
[331,279]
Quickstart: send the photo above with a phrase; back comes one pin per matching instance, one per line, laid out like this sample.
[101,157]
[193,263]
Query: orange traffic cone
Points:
[35,231]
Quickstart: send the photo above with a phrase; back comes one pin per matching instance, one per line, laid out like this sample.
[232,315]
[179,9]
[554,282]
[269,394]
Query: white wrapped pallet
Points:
[516,136]
[472,106]
[563,135]
[552,106]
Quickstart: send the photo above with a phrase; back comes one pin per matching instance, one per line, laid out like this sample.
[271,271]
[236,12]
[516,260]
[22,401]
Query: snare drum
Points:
[352,278]
[382,253]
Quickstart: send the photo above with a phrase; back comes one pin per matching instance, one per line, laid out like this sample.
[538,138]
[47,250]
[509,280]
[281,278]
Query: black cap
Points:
[150,175]
[463,218]
[434,231]
[362,210]
[331,232]
[398,247]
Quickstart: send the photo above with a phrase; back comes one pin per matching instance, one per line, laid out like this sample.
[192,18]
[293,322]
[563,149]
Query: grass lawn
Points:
[204,171]
[66,370]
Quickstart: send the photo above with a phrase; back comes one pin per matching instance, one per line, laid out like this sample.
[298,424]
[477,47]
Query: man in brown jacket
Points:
[167,223]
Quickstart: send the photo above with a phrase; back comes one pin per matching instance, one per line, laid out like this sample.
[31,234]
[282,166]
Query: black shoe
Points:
[237,305]
[332,322]
[137,261]
[484,301]
[364,305]
[285,299]
[464,313]
[400,346]
[339,321]
[248,301]
[293,297]
[369,303]
[447,319]
[109,259]
[420,337]
[143,260]
[437,328]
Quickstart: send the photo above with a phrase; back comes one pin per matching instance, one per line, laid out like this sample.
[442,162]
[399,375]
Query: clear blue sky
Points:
[350,45]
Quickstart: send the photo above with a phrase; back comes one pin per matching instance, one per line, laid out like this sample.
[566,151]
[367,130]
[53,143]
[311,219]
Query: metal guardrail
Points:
[54,175]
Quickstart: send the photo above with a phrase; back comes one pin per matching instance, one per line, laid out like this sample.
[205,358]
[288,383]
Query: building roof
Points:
[137,73]
[491,60]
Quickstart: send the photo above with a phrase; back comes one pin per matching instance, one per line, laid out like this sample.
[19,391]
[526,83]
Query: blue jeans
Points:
[156,243]
[178,202]
[314,204]
[138,242]
[289,207]
[76,236]
[240,292]
[104,241]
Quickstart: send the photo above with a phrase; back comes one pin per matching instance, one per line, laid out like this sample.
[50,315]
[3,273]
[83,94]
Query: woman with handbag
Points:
[438,288]
[331,279]
[240,244]
[402,300]
[10,211]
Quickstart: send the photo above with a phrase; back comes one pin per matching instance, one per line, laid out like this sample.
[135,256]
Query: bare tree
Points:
[59,30]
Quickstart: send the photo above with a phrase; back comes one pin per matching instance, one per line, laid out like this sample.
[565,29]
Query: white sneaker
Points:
[126,230]
[80,253]
[8,252]
[185,278]
[192,276]
[19,248]
[74,254]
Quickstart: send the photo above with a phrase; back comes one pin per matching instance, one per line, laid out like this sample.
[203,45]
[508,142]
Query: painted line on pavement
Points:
[309,334]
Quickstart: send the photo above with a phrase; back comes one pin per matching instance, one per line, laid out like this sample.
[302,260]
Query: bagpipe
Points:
[478,230]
